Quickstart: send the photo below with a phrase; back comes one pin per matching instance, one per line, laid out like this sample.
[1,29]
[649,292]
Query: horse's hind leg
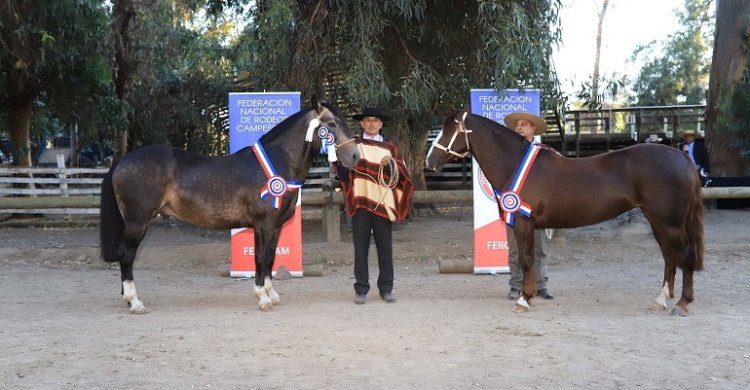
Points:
[524,233]
[681,309]
[133,236]
[674,245]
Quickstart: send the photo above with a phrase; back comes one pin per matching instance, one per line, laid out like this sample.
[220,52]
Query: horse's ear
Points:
[315,103]
[453,112]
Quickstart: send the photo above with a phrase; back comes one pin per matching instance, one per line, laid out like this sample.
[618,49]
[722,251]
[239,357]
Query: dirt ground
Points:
[62,324]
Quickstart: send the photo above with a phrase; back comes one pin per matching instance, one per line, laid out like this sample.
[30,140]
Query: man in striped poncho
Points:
[378,192]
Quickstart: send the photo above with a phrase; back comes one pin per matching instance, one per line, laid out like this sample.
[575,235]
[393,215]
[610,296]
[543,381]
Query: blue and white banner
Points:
[252,114]
[490,234]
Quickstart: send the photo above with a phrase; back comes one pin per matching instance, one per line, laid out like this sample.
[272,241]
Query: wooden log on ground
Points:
[456,266]
[314,269]
[725,192]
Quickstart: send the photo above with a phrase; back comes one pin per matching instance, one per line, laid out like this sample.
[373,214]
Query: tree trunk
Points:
[413,154]
[123,15]
[727,67]
[595,75]
[20,119]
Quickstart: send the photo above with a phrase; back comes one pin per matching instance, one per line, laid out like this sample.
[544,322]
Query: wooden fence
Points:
[75,191]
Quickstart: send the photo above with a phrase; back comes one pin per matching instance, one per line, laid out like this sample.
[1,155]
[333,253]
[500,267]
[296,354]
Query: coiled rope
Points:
[386,185]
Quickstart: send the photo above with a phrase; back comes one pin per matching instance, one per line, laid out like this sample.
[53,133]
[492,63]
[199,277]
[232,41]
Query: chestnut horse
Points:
[255,187]
[552,191]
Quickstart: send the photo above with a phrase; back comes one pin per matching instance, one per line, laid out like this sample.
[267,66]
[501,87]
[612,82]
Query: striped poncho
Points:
[362,189]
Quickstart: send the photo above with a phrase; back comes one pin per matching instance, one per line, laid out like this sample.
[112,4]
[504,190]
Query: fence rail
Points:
[71,191]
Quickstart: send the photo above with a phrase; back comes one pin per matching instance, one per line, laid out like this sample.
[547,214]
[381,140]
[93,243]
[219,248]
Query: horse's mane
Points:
[335,110]
[497,127]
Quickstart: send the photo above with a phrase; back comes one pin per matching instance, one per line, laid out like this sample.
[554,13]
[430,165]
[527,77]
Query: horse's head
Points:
[452,142]
[328,119]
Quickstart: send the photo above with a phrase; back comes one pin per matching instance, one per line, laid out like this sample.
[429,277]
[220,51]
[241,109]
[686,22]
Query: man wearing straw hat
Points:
[528,126]
[697,152]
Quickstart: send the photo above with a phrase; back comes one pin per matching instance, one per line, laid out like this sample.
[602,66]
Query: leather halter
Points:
[461,129]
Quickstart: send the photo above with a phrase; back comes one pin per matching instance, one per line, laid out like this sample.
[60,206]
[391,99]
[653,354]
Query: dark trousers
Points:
[364,222]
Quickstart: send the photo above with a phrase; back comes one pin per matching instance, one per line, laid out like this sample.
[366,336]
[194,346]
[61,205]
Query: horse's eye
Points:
[332,124]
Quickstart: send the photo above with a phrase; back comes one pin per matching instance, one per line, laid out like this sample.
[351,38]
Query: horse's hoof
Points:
[659,304]
[136,307]
[520,308]
[265,304]
[274,296]
[678,311]
[138,310]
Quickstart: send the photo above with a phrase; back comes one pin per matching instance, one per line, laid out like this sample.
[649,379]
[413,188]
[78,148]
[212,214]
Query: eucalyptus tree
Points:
[413,58]
[727,114]
[53,60]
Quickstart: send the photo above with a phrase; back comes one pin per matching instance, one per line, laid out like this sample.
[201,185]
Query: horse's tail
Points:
[111,224]
[695,226]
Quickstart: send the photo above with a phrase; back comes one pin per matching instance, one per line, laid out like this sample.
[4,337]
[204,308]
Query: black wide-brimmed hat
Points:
[371,111]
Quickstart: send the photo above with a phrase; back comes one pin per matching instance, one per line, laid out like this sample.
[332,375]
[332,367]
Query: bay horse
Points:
[255,187]
[560,192]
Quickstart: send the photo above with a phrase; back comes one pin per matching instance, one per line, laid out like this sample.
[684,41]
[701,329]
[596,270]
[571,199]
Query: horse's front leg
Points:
[524,233]
[266,240]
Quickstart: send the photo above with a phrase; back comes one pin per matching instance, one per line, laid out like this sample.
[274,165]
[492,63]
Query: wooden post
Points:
[63,178]
[331,215]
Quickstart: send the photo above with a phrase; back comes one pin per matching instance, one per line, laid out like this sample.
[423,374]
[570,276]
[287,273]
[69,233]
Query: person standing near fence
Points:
[377,192]
[528,126]
[697,152]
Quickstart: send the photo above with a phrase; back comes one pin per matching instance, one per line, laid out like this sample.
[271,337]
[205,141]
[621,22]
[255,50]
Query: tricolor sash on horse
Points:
[276,186]
[510,201]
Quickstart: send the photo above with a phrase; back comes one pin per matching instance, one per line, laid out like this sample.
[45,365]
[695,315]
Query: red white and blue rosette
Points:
[276,186]
[327,139]
[510,202]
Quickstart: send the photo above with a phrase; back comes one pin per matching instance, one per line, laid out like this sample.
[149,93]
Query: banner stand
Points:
[252,114]
[491,247]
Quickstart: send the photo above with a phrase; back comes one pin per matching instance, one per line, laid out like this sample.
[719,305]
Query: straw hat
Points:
[371,111]
[511,119]
[653,138]
[689,132]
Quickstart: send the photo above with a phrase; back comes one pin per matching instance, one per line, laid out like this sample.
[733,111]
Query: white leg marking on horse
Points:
[521,306]
[272,295]
[131,297]
[263,301]
[661,300]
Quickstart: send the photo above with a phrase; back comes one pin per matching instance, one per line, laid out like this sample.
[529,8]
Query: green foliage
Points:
[679,75]
[414,58]
[609,89]
[61,65]
[178,94]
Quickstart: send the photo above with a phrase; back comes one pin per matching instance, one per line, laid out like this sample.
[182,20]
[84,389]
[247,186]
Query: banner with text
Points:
[252,114]
[490,234]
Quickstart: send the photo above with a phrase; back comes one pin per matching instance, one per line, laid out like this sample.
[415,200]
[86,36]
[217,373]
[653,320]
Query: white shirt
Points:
[688,148]
[378,137]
